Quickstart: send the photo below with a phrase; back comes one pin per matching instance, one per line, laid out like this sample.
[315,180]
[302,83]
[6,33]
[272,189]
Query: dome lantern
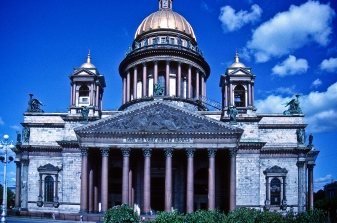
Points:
[165,4]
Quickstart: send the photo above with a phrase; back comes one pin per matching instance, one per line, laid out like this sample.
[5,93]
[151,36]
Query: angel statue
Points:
[294,106]
[34,105]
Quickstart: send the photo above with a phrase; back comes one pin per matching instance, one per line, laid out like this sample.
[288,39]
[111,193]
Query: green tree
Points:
[10,197]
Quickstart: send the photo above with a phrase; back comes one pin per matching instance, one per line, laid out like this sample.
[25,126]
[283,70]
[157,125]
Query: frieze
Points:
[159,140]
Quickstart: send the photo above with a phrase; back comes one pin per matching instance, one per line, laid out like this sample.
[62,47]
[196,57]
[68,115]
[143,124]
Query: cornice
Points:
[282,126]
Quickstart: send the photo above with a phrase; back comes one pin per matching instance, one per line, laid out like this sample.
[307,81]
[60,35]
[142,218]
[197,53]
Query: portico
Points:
[160,149]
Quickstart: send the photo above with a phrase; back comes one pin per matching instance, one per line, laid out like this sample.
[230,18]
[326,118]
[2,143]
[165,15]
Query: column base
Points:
[83,212]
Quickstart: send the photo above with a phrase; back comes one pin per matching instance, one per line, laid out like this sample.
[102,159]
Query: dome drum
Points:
[165,58]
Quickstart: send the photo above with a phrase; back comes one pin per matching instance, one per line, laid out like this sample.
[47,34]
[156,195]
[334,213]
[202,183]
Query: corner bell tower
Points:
[87,87]
[237,86]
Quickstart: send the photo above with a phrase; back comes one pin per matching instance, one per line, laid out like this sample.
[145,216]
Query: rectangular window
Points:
[172,40]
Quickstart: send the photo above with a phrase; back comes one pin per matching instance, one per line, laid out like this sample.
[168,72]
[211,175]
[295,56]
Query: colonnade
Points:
[181,80]
[126,182]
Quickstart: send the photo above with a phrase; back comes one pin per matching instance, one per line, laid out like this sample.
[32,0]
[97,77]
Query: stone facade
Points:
[163,148]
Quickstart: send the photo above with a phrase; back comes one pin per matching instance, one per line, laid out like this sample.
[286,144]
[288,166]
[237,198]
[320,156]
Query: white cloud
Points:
[205,7]
[232,21]
[322,181]
[15,127]
[1,121]
[329,65]
[291,30]
[291,66]
[319,108]
[316,83]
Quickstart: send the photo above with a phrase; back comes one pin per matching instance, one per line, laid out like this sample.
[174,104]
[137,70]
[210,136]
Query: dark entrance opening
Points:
[200,189]
[157,193]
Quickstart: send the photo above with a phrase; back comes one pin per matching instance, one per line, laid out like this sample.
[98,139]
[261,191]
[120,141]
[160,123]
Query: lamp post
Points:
[5,145]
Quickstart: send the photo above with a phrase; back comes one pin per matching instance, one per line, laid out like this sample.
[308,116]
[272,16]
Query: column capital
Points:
[179,62]
[211,152]
[155,62]
[168,62]
[126,151]
[300,164]
[135,67]
[147,152]
[18,163]
[84,151]
[233,152]
[311,166]
[190,152]
[105,151]
[144,64]
[25,162]
[168,152]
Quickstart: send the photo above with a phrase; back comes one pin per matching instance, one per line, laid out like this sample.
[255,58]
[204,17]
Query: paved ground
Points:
[31,220]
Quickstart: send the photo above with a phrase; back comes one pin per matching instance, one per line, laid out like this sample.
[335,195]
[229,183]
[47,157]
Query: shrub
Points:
[121,214]
[203,216]
[172,217]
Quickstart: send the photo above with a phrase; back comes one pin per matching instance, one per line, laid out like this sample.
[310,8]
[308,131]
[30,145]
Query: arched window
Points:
[48,189]
[239,96]
[84,91]
[276,187]
[275,191]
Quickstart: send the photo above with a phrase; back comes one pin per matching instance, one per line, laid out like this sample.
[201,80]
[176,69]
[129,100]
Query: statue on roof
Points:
[158,90]
[85,113]
[18,137]
[232,114]
[294,106]
[311,138]
[34,105]
[26,134]
[300,136]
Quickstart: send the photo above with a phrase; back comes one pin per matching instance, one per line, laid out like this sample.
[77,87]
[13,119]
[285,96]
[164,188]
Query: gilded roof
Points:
[165,19]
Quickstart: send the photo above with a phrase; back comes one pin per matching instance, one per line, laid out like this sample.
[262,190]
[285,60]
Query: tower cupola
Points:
[87,87]
[237,86]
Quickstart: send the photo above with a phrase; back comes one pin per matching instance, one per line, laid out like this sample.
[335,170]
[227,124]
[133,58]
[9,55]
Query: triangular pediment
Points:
[83,71]
[240,71]
[158,117]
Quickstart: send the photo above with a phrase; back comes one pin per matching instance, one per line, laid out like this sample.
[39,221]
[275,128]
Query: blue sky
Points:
[291,47]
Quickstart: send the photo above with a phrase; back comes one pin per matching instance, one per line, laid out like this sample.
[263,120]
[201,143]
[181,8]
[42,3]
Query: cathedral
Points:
[164,148]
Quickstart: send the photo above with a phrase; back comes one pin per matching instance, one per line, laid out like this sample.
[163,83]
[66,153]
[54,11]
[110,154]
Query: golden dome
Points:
[88,64]
[165,19]
[237,63]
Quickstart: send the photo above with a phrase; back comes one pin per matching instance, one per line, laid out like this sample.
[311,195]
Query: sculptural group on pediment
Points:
[158,119]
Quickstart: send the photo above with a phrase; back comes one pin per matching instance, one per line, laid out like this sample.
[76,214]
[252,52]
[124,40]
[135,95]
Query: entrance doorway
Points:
[157,193]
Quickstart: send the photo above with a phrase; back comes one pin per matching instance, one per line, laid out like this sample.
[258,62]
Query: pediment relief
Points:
[275,169]
[159,117]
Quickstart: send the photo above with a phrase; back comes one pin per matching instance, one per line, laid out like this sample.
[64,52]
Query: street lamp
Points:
[5,145]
